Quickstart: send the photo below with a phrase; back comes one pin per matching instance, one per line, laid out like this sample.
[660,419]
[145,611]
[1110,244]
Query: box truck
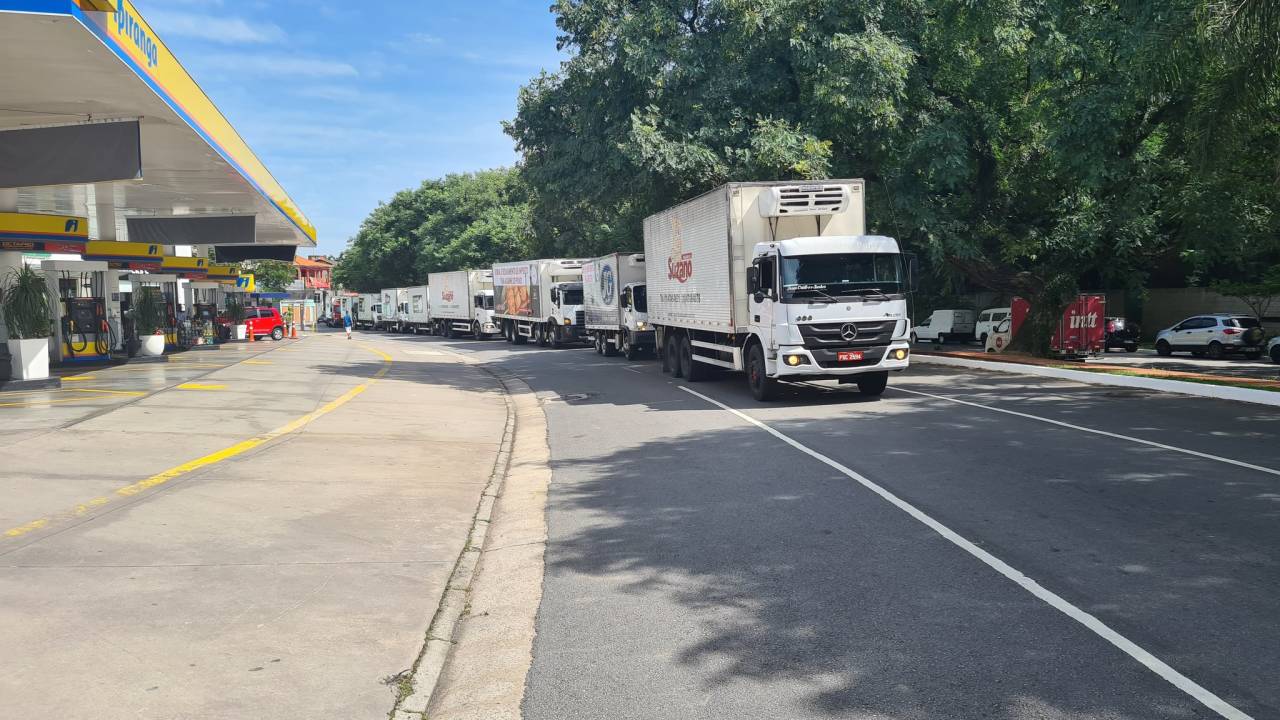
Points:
[614,302]
[540,300]
[462,304]
[395,309]
[417,317]
[778,280]
[367,311]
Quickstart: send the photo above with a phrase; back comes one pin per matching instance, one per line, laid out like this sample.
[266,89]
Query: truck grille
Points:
[580,319]
[831,336]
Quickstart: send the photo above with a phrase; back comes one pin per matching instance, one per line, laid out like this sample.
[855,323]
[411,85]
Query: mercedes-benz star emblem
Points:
[849,332]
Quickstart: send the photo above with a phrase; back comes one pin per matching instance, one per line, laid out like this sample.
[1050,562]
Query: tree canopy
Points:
[1026,146]
[461,221]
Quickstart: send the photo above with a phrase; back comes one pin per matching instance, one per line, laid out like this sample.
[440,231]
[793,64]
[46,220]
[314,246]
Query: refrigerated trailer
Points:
[540,300]
[395,309]
[417,316]
[462,304]
[613,295]
[778,280]
[367,311]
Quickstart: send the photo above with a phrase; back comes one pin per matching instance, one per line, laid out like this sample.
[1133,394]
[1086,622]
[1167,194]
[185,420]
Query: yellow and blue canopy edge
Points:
[122,30]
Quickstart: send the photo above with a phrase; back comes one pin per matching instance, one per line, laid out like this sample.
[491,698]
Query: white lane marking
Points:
[1081,428]
[1156,665]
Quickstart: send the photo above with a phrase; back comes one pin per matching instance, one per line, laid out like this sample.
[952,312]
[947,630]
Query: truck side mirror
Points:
[753,281]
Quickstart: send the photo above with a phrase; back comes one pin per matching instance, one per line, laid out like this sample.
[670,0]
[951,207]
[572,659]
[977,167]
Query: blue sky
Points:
[349,102]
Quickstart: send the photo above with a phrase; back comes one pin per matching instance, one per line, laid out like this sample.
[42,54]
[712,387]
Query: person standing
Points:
[346,323]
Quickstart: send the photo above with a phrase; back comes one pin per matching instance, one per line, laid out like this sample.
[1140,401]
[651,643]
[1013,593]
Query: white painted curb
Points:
[1217,392]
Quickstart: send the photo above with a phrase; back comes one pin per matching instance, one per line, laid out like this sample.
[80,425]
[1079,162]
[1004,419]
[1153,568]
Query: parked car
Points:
[1273,349]
[987,321]
[1122,333]
[1215,335]
[944,325]
[261,321]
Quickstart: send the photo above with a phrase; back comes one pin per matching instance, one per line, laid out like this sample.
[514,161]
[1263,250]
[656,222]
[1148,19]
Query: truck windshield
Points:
[639,299]
[571,294]
[486,302]
[842,274]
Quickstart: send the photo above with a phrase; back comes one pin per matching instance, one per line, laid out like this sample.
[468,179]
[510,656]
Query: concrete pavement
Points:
[298,575]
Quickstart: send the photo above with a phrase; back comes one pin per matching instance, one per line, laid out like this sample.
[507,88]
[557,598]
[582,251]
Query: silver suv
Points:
[1214,335]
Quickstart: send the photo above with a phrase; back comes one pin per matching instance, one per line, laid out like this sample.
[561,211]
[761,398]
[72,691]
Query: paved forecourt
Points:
[271,532]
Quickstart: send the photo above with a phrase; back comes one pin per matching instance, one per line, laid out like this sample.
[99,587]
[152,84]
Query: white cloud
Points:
[219,29]
[275,65]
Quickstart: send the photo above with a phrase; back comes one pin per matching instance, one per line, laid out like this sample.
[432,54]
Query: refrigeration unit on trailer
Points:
[780,281]
[540,300]
[613,294]
[417,316]
[462,304]
[367,312]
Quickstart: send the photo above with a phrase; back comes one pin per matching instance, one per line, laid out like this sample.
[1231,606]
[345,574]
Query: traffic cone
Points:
[293,332]
[251,334]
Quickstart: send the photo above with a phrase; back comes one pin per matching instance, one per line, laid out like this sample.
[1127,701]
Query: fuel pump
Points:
[82,329]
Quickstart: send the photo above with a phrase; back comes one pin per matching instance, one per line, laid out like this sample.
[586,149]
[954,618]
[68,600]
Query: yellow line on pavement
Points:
[197,386]
[92,395]
[214,457]
[79,378]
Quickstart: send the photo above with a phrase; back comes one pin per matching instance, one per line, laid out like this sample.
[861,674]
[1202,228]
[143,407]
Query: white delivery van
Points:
[540,300]
[780,281]
[944,325]
[987,321]
[462,304]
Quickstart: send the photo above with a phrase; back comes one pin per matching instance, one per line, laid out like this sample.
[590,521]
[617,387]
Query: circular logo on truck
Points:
[608,285]
[849,332]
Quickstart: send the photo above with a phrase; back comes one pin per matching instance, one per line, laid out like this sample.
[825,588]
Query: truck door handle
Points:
[757,318]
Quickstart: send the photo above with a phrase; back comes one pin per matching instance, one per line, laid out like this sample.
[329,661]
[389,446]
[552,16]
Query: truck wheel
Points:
[608,345]
[595,336]
[873,384]
[517,338]
[475,331]
[629,349]
[1215,350]
[1164,349]
[673,351]
[763,387]
[554,337]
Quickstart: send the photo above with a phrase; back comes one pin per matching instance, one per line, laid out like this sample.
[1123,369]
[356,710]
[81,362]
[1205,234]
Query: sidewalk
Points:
[297,577]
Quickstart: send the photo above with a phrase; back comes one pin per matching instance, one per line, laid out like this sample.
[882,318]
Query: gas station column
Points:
[105,225]
[8,259]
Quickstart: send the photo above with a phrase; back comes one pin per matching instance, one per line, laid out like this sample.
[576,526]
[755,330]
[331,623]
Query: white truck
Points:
[614,301]
[540,300]
[367,311]
[395,309]
[462,304]
[780,281]
[417,316]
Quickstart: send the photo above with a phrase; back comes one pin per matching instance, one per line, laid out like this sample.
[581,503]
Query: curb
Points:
[426,672]
[1179,387]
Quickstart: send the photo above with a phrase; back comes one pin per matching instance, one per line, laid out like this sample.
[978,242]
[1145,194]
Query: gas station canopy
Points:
[98,119]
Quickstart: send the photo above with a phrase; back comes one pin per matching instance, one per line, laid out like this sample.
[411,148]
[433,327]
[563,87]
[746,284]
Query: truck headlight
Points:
[642,326]
[568,321]
[900,354]
[795,360]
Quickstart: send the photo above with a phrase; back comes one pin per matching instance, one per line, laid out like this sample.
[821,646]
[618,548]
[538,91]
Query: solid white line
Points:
[1159,667]
[1140,441]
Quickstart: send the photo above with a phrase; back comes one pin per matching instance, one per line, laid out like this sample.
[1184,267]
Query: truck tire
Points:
[873,384]
[673,352]
[629,349]
[608,345]
[554,337]
[598,343]
[517,337]
[475,331]
[763,387]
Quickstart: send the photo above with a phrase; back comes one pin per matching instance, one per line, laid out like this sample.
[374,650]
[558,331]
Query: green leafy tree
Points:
[271,275]
[460,221]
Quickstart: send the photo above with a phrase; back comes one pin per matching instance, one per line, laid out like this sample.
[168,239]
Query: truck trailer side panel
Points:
[451,295]
[602,281]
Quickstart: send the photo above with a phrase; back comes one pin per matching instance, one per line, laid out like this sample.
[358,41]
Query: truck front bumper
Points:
[826,363]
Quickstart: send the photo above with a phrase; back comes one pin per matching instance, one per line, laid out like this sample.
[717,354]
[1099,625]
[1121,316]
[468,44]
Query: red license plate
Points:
[853,356]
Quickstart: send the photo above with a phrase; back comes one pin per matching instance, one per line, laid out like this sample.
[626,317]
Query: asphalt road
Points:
[701,567]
